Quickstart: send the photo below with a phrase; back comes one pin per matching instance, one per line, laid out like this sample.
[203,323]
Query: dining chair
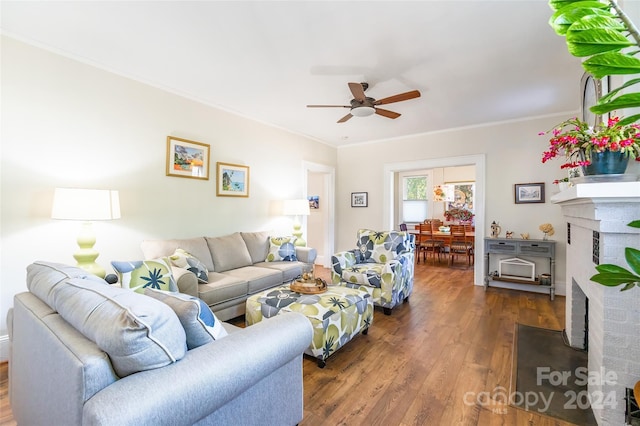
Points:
[427,244]
[468,227]
[460,244]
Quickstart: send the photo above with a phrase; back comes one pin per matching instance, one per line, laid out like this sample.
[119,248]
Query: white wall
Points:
[513,155]
[67,124]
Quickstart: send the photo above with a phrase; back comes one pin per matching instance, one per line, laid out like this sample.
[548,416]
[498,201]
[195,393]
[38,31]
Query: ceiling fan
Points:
[363,106]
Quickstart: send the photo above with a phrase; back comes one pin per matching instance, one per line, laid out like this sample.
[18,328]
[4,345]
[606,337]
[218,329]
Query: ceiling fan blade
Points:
[358,91]
[387,113]
[328,106]
[345,118]
[398,98]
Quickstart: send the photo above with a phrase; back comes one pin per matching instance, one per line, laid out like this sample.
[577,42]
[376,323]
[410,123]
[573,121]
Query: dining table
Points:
[445,237]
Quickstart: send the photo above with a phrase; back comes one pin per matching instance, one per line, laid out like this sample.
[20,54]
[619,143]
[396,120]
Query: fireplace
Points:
[603,320]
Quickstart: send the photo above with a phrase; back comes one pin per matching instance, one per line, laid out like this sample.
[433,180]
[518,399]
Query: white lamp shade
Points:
[85,204]
[296,208]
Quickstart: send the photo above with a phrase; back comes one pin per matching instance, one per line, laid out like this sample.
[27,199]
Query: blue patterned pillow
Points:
[141,274]
[183,259]
[282,249]
[200,324]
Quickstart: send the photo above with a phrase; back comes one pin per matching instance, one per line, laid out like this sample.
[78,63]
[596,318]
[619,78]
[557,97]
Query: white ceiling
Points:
[474,62]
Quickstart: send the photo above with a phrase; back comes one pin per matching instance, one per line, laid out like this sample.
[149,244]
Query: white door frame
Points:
[329,180]
[478,161]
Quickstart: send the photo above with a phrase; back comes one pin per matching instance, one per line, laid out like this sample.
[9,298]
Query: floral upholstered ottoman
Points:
[336,315]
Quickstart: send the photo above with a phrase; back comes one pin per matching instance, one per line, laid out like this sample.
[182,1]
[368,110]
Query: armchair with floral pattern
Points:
[382,265]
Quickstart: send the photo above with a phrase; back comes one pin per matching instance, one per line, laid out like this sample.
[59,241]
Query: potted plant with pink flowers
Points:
[605,149]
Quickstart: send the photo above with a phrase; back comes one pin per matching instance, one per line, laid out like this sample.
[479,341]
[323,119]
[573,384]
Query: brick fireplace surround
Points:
[597,215]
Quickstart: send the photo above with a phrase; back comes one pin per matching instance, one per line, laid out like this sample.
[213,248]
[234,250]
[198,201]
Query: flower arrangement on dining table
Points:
[460,214]
[575,140]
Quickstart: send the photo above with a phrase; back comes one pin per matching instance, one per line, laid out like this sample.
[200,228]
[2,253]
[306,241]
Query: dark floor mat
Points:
[545,376]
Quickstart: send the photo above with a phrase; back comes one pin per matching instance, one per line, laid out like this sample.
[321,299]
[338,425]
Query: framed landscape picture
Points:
[233,180]
[529,193]
[187,158]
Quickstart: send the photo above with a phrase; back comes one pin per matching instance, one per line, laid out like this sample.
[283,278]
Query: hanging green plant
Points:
[602,33]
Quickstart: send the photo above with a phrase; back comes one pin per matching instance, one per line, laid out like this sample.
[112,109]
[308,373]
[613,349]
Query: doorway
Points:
[319,181]
[389,195]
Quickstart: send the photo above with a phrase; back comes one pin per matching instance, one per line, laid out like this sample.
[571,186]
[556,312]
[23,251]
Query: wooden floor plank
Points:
[426,363]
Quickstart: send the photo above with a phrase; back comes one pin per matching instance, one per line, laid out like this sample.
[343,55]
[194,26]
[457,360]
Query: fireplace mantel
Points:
[596,216]
[601,191]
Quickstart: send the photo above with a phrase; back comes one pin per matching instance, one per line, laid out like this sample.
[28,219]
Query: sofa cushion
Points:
[137,332]
[183,259]
[200,324]
[257,279]
[222,288]
[42,277]
[228,252]
[290,270]
[282,249]
[153,249]
[257,244]
[139,274]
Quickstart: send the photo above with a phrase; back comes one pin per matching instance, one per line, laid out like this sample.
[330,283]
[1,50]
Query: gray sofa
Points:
[236,264]
[83,352]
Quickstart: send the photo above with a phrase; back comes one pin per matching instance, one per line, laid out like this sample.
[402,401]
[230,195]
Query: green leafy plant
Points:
[602,33]
[613,275]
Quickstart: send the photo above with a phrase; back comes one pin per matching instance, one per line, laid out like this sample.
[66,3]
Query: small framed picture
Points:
[233,180]
[314,201]
[359,199]
[529,193]
[187,159]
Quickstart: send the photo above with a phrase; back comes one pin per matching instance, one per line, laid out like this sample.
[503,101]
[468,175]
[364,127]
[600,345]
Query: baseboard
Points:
[4,348]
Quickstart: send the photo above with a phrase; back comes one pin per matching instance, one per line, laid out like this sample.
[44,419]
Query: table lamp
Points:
[297,208]
[86,205]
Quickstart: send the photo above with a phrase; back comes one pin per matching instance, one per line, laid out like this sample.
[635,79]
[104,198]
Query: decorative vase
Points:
[606,163]
[563,186]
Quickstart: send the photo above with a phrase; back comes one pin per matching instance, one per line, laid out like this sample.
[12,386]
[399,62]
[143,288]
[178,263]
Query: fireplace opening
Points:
[632,411]
[586,324]
[579,318]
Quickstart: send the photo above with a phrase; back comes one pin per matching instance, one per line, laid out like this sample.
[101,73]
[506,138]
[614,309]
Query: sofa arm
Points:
[306,254]
[339,262]
[207,378]
[186,280]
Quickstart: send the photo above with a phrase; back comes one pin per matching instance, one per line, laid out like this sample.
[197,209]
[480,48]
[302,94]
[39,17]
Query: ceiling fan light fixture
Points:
[363,111]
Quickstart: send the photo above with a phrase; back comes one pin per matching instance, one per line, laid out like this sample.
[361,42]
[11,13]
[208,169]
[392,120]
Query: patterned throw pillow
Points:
[200,324]
[282,249]
[142,274]
[183,259]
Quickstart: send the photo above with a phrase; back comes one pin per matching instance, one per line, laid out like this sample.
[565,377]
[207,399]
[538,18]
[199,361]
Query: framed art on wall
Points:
[359,199]
[187,158]
[529,193]
[233,180]
[314,201]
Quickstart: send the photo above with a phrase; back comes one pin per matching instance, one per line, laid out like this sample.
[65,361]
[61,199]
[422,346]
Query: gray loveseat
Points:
[237,267]
[83,352]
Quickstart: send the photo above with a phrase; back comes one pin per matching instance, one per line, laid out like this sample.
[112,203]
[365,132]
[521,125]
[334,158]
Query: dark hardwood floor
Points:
[426,363]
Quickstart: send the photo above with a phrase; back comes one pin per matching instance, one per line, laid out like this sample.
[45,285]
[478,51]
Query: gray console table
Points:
[521,249]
